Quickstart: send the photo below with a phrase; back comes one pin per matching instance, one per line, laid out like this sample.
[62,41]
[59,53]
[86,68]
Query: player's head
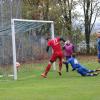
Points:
[98,34]
[67,42]
[48,38]
[74,55]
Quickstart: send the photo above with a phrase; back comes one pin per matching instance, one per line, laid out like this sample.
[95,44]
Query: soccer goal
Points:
[29,44]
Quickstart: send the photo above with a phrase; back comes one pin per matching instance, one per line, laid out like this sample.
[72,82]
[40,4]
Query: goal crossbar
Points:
[26,20]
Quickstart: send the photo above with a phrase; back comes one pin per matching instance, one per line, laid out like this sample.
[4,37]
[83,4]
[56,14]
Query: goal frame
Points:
[13,32]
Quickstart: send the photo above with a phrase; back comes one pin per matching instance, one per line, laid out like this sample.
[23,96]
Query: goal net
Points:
[29,45]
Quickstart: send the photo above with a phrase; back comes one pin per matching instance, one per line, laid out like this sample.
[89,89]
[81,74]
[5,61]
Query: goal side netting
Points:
[29,45]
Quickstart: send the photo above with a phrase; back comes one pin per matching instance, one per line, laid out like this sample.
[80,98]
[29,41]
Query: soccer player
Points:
[57,53]
[98,46]
[80,68]
[68,50]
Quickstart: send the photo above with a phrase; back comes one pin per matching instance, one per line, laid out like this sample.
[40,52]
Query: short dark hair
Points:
[48,38]
[74,55]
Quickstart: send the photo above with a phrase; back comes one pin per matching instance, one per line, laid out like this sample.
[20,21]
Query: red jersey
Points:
[55,44]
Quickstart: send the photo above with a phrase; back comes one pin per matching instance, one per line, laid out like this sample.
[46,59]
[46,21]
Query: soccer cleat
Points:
[59,73]
[98,69]
[43,75]
[95,74]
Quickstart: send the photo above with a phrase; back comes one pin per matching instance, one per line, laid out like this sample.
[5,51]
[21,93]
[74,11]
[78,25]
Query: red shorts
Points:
[56,55]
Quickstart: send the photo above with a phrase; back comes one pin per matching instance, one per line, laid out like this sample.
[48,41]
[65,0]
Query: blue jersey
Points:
[74,63]
[98,45]
[77,66]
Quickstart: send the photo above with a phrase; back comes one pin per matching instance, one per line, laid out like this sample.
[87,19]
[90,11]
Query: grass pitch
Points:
[70,86]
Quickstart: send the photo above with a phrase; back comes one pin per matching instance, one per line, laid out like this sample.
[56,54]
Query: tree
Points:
[67,9]
[60,11]
[91,10]
[39,8]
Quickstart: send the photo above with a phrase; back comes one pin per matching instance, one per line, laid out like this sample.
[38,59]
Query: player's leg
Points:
[53,58]
[91,74]
[47,70]
[98,69]
[60,66]
[87,70]
[98,57]
[84,72]
[81,72]
[67,67]
[60,56]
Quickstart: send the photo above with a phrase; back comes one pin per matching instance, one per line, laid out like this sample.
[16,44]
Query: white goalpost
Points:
[24,25]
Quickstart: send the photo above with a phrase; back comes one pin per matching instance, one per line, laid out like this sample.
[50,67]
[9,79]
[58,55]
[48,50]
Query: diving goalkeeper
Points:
[82,70]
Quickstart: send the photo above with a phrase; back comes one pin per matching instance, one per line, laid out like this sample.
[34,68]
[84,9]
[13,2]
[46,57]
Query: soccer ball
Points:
[17,64]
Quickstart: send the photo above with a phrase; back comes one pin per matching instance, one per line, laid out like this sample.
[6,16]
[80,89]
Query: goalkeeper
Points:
[80,68]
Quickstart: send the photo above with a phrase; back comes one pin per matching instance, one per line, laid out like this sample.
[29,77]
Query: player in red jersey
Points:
[57,53]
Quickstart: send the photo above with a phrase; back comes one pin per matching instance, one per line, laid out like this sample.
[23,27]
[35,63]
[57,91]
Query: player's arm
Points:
[99,42]
[73,49]
[48,45]
[63,47]
[73,69]
[47,49]
[67,61]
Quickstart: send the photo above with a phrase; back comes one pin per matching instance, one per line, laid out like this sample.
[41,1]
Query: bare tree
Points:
[39,8]
[67,7]
[91,10]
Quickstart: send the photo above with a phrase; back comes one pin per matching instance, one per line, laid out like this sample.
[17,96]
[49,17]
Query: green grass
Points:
[31,86]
